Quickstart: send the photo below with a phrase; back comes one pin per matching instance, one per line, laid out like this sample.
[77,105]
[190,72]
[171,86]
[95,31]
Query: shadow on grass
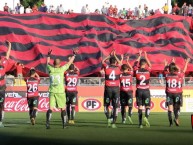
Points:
[8,139]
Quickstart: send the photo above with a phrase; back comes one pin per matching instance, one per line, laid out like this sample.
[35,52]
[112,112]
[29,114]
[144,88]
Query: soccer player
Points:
[126,91]
[32,83]
[112,87]
[142,84]
[174,81]
[71,79]
[56,89]
[3,64]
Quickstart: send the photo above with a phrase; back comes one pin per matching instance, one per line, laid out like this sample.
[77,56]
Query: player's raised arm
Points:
[165,63]
[117,59]
[106,58]
[37,76]
[48,57]
[136,63]
[186,64]
[128,63]
[147,59]
[71,60]
[76,68]
[9,50]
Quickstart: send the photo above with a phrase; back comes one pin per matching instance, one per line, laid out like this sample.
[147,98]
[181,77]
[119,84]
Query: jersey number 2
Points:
[142,82]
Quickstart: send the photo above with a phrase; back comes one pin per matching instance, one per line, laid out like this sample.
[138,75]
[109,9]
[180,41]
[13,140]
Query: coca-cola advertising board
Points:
[16,100]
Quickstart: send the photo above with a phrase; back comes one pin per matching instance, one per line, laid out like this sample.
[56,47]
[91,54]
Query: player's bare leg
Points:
[170,109]
[176,114]
[123,114]
[48,118]
[64,118]
[147,112]
[140,115]
[106,110]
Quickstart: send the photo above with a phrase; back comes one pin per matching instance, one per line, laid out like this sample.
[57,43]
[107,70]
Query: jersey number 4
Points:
[112,75]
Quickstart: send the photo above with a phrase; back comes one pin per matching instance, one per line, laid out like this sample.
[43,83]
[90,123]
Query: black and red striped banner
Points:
[162,36]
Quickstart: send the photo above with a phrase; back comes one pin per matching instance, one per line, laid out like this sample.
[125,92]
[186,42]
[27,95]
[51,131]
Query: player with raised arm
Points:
[71,78]
[56,90]
[112,87]
[142,70]
[3,64]
[32,83]
[126,91]
[174,81]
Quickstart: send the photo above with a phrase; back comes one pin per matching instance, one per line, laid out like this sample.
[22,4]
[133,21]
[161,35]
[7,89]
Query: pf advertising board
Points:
[90,99]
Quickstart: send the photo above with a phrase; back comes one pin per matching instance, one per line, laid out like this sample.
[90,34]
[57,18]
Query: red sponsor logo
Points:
[163,105]
[152,105]
[91,104]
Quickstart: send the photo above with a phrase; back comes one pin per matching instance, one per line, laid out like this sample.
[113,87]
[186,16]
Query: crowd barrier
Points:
[92,81]
[90,98]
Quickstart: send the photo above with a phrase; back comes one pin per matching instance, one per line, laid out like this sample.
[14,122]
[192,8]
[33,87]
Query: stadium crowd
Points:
[139,12]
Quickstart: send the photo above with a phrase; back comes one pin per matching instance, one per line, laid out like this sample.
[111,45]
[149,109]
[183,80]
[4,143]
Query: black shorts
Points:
[71,98]
[143,97]
[174,99]
[2,99]
[112,94]
[33,102]
[126,98]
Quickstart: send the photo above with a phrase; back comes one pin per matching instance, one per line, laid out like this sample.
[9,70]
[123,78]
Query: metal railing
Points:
[93,81]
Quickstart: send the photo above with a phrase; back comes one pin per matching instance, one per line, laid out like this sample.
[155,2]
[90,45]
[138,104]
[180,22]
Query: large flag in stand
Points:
[162,36]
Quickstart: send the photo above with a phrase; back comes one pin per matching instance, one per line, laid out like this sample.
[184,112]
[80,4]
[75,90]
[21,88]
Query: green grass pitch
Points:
[90,129]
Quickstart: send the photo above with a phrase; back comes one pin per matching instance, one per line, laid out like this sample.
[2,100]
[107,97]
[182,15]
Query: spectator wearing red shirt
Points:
[35,9]
[157,12]
[115,10]
[110,10]
[6,8]
[19,69]
[176,9]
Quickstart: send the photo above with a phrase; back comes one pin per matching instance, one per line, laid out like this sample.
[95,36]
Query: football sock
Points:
[170,116]
[123,112]
[106,110]
[48,115]
[115,114]
[30,113]
[130,111]
[111,114]
[34,113]
[63,116]
[176,113]
[68,111]
[72,113]
[147,112]
[1,115]
[140,116]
